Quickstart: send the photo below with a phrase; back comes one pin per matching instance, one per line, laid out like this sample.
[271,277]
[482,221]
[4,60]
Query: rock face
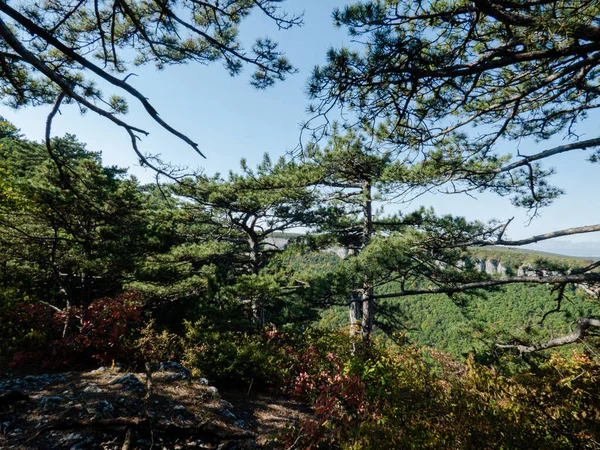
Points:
[280,242]
[489,266]
[528,270]
[493,267]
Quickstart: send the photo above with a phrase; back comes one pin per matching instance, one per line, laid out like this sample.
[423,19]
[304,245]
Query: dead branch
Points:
[127,441]
[583,323]
[549,279]
[532,239]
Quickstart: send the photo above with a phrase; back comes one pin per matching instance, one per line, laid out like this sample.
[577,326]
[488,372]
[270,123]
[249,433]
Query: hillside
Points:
[463,323]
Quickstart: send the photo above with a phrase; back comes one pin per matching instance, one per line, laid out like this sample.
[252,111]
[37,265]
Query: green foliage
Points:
[156,347]
[404,397]
[389,398]
[222,289]
[243,216]
[234,359]
[513,258]
[62,225]
[465,323]
[442,83]
[266,360]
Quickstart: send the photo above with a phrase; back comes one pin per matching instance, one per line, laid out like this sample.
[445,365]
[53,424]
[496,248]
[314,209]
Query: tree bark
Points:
[258,309]
[368,312]
[355,313]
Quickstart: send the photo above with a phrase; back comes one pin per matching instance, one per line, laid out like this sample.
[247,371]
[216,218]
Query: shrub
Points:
[270,359]
[81,337]
[154,346]
[402,398]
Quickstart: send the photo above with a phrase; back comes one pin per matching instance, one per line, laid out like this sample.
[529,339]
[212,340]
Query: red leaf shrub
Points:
[77,338]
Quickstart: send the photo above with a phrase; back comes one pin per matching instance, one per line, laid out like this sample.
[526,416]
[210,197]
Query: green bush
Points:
[409,398]
[155,346]
[404,397]
[270,359]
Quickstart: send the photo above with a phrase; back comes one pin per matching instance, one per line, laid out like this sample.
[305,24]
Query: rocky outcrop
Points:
[280,242]
[109,409]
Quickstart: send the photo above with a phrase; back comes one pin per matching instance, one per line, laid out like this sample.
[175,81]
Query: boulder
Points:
[130,383]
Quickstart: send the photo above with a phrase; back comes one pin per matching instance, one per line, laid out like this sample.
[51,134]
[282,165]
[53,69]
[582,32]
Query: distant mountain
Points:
[586,249]
[523,255]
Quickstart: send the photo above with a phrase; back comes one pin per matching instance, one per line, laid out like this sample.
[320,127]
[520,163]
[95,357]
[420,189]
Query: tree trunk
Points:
[258,309]
[368,313]
[366,329]
[355,313]
[355,303]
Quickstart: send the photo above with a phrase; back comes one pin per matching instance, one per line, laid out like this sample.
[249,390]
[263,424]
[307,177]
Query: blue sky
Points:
[231,120]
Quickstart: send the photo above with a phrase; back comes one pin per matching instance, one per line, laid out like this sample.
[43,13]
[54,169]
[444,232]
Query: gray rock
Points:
[227,413]
[70,438]
[50,401]
[45,379]
[226,404]
[203,381]
[213,389]
[30,382]
[175,377]
[104,409]
[5,426]
[86,444]
[183,413]
[93,388]
[41,422]
[106,372]
[99,370]
[130,383]
[179,372]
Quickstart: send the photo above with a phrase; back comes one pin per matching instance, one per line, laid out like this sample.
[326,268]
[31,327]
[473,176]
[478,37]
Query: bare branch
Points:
[582,325]
[582,145]
[48,37]
[549,279]
[531,240]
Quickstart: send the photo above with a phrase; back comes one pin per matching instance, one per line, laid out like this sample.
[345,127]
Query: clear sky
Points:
[231,120]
